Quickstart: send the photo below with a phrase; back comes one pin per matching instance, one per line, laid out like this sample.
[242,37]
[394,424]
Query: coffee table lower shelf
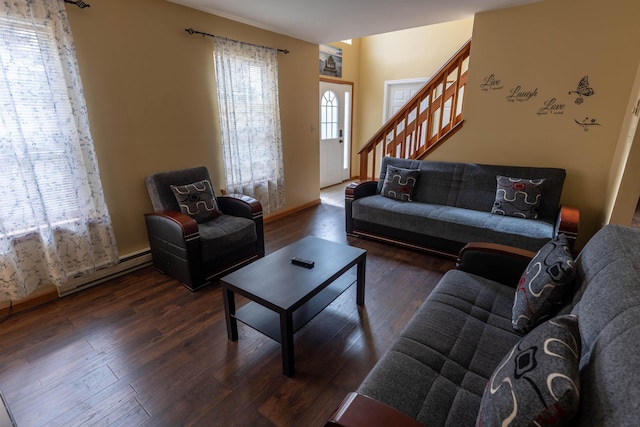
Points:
[267,321]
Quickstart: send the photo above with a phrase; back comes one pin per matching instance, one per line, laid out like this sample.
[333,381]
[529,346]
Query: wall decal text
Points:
[521,95]
[551,106]
[491,83]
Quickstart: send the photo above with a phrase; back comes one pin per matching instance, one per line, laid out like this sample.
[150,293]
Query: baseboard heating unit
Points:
[126,264]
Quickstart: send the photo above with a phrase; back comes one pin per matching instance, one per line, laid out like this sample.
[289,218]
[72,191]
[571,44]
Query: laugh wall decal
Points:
[521,95]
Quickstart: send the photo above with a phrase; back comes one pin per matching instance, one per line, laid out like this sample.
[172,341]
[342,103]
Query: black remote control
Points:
[302,262]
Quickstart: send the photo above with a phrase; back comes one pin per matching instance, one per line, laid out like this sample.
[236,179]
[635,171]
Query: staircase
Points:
[428,119]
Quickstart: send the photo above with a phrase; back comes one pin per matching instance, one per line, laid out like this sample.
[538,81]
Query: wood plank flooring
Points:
[142,350]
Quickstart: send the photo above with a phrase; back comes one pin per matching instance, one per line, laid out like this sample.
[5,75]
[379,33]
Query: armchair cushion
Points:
[224,234]
[518,197]
[197,200]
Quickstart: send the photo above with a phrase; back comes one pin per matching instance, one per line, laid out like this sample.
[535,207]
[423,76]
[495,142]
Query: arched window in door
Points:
[329,116]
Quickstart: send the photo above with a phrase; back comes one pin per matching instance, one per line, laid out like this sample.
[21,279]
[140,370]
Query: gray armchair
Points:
[196,253]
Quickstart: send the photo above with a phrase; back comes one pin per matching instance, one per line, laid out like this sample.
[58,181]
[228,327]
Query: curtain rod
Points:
[78,3]
[192,31]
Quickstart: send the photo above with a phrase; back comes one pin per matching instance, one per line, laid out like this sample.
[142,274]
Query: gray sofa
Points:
[452,205]
[436,370]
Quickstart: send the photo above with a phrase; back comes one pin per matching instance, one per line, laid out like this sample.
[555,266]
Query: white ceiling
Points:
[325,21]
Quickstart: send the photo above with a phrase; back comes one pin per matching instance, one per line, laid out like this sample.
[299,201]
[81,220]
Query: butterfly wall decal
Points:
[583,90]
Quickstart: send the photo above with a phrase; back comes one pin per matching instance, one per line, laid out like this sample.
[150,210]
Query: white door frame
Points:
[347,136]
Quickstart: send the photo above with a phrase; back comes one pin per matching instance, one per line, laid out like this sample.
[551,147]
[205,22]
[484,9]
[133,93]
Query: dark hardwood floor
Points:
[144,350]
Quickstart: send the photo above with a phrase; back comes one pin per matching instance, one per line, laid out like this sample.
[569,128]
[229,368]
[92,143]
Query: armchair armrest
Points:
[356,190]
[568,223]
[181,226]
[359,410]
[240,205]
[247,207]
[500,263]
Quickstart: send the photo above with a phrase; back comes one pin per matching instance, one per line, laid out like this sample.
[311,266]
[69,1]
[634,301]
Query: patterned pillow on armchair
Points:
[197,200]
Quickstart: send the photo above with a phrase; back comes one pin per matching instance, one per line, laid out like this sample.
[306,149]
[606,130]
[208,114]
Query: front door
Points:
[335,132]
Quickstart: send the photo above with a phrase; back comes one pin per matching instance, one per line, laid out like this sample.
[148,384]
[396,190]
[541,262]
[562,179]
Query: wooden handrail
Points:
[428,118]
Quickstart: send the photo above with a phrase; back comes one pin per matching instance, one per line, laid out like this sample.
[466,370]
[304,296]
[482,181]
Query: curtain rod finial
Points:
[78,3]
[190,30]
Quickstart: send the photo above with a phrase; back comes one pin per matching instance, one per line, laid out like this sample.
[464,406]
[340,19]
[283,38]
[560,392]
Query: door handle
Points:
[340,141]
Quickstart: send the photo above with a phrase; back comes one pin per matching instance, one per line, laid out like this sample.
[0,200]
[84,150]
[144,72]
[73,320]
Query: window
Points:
[329,116]
[247,92]
[32,128]
[54,222]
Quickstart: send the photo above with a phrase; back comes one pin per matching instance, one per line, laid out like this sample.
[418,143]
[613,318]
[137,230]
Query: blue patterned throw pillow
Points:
[538,381]
[197,200]
[545,285]
[518,197]
[399,183]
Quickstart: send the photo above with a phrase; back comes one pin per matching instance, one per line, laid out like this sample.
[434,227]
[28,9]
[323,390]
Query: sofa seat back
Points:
[607,304]
[473,186]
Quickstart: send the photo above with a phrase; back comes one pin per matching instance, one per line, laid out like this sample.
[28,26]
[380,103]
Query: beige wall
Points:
[150,95]
[549,47]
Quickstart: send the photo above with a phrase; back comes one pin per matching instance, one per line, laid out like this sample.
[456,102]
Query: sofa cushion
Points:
[437,368]
[197,200]
[399,183]
[518,197]
[451,223]
[538,381]
[546,285]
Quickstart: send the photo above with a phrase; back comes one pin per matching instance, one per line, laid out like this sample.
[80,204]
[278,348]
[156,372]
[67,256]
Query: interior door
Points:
[335,132]
[397,93]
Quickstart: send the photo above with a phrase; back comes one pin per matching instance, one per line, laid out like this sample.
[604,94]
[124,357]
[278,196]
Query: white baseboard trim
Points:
[126,264]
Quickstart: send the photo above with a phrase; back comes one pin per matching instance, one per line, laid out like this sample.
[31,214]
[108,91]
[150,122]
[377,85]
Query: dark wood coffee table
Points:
[284,297]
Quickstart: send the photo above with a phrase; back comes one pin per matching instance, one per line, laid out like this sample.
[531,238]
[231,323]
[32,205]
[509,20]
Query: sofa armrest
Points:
[568,222]
[356,190]
[362,411]
[500,263]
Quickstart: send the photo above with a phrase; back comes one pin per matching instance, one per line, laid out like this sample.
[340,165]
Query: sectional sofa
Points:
[441,206]
[460,361]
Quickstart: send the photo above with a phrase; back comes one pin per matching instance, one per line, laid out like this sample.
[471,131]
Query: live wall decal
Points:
[491,83]
[583,90]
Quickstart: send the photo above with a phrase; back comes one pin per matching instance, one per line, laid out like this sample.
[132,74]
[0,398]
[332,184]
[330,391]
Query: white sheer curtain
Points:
[54,222]
[247,81]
